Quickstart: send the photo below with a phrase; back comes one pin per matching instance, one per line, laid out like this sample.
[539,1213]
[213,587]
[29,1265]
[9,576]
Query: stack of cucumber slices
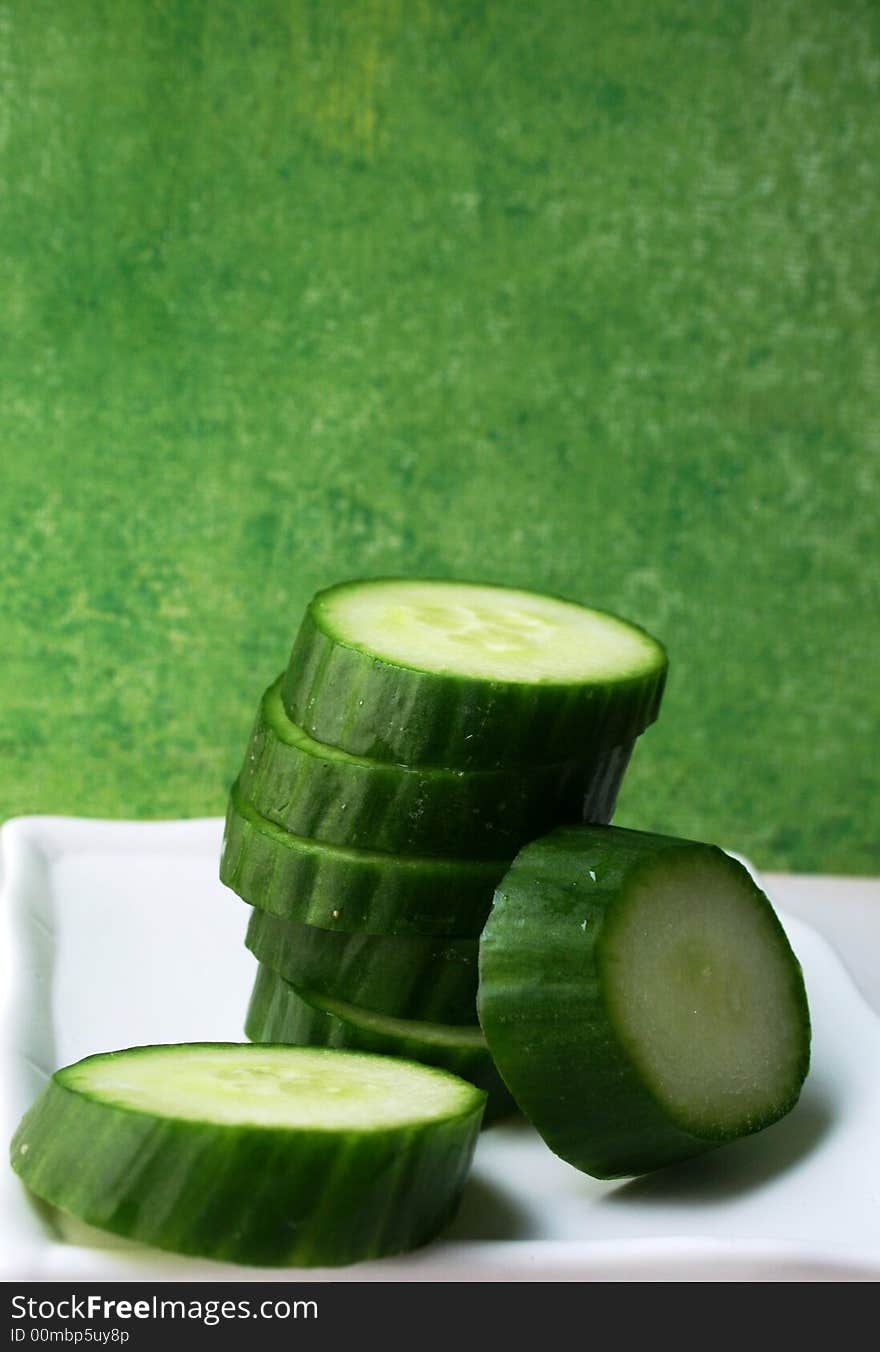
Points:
[420,829]
[422,733]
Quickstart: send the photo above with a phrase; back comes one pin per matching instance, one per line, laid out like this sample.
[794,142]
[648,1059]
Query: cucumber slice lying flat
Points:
[640,998]
[359,891]
[468,675]
[409,977]
[263,1155]
[280,1013]
[312,789]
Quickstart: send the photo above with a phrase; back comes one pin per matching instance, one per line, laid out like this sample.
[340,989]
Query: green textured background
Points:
[575,295]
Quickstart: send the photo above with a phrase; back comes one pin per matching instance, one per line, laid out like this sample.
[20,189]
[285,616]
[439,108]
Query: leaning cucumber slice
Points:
[640,998]
[280,1013]
[407,976]
[359,891]
[312,789]
[261,1155]
[468,675]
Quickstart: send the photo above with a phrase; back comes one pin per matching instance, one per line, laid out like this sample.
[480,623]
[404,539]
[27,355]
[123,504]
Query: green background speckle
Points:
[572,295]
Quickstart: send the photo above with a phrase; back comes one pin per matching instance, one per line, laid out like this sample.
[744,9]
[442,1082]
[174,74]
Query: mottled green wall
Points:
[570,294]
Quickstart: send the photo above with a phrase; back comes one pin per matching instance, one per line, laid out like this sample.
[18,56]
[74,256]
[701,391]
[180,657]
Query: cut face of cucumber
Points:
[408,977]
[358,891]
[262,1087]
[280,1012]
[488,633]
[261,1155]
[702,990]
[466,675]
[318,791]
[640,998]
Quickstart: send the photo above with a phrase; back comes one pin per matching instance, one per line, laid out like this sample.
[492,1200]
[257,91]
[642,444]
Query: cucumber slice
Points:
[640,998]
[280,1012]
[315,790]
[410,977]
[262,1155]
[468,675]
[359,891]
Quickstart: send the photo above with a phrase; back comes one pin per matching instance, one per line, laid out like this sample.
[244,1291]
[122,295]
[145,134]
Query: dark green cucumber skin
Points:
[244,1195]
[278,1012]
[407,977]
[600,793]
[351,699]
[541,1003]
[314,790]
[352,890]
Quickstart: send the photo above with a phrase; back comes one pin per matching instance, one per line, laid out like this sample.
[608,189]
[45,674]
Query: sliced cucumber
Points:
[358,891]
[315,790]
[468,675]
[640,998]
[261,1155]
[410,977]
[280,1013]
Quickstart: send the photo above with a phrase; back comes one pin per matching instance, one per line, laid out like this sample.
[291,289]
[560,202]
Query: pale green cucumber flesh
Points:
[258,1155]
[482,632]
[468,675]
[318,791]
[358,891]
[279,1012]
[410,977]
[640,998]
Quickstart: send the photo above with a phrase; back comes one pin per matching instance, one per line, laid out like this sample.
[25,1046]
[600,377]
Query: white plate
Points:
[120,934]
